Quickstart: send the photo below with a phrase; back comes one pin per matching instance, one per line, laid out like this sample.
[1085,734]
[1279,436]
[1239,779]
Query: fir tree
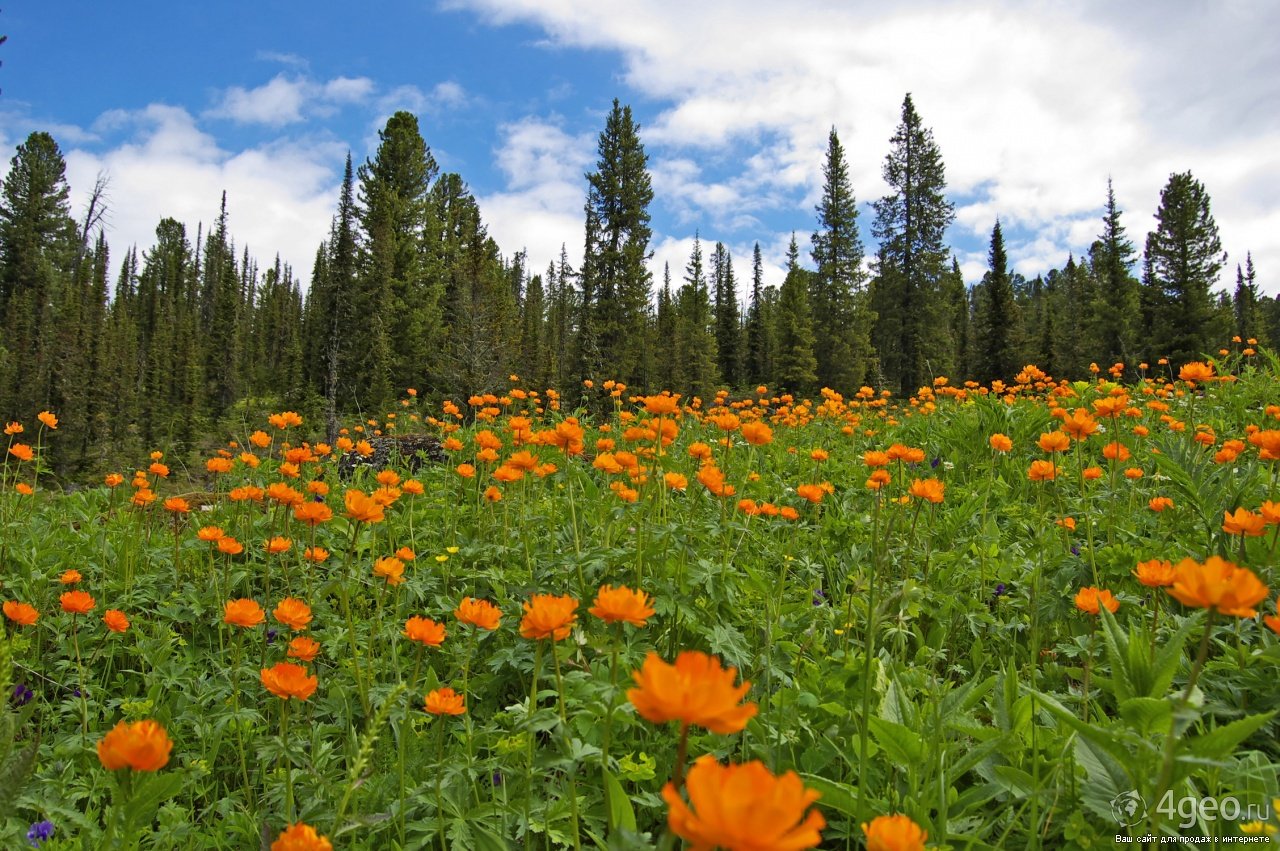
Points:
[1245,303]
[728,320]
[761,331]
[797,367]
[997,353]
[910,224]
[1119,317]
[697,342]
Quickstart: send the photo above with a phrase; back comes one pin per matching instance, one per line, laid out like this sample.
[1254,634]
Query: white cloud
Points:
[348,89]
[280,196]
[1032,105]
[274,104]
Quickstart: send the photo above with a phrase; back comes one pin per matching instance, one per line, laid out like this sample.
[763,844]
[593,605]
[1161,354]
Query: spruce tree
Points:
[797,366]
[997,353]
[728,320]
[838,295]
[910,224]
[761,331]
[615,277]
[1184,256]
[697,342]
[1245,303]
[1119,318]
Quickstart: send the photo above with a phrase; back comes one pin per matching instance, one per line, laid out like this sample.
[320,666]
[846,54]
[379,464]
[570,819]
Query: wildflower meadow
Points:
[1034,615]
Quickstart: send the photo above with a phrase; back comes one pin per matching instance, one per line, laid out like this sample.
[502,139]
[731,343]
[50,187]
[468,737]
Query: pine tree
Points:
[1184,256]
[797,366]
[697,342]
[1245,303]
[1119,317]
[728,320]
[615,278]
[532,334]
[955,346]
[910,224]
[220,309]
[838,293]
[761,330]
[667,371]
[997,353]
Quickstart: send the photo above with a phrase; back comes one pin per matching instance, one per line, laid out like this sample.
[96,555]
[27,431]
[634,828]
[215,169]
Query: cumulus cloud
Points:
[288,99]
[280,196]
[1033,106]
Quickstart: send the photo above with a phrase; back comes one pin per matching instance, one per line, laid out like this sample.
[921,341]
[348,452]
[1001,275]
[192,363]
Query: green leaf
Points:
[1147,714]
[1219,743]
[148,794]
[621,815]
[903,746]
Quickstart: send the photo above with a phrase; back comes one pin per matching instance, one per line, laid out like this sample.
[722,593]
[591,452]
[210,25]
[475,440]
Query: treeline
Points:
[409,290]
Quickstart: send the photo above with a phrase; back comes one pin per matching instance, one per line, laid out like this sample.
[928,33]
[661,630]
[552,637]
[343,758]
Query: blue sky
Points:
[1033,105]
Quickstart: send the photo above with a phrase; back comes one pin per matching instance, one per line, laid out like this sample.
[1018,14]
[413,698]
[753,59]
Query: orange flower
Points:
[813,493]
[24,488]
[301,837]
[1042,471]
[211,534]
[284,494]
[1160,503]
[1219,585]
[48,419]
[293,613]
[1068,523]
[363,508]
[621,604]
[1116,451]
[286,680]
[243,612]
[391,568]
[1273,621]
[1090,474]
[1268,444]
[699,450]
[77,602]
[230,546]
[1270,512]
[894,833]
[695,690]
[1054,441]
[878,479]
[303,648]
[1196,371]
[548,616]
[22,452]
[113,480]
[1133,473]
[675,481]
[277,545]
[312,513]
[1080,424]
[757,433]
[478,613]
[142,746]
[218,465]
[1000,442]
[158,469]
[662,405]
[115,620]
[492,494]
[424,631]
[878,459]
[70,577]
[23,614]
[260,439]
[1154,573]
[929,489]
[788,513]
[445,701]
[1091,600]
[1243,522]
[315,554]
[743,806]
[13,428]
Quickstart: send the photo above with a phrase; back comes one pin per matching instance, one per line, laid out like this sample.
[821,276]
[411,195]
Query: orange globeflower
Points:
[312,513]
[1116,451]
[1154,573]
[315,554]
[1000,442]
[391,568]
[1160,503]
[112,480]
[363,508]
[177,505]
[662,405]
[70,577]
[142,746]
[303,648]
[116,620]
[1042,471]
[1273,621]
[13,428]
[1196,371]
[293,613]
[1090,474]
[445,701]
[23,614]
[695,690]
[1054,441]
[492,494]
[230,546]
[548,616]
[22,452]
[813,493]
[894,833]
[743,806]
[301,837]
[478,613]
[424,631]
[1242,521]
[621,604]
[77,602]
[757,433]
[1219,585]
[243,612]
[286,680]
[1091,600]
[218,465]
[158,469]
[277,545]
[48,418]
[1080,424]
[211,534]
[928,489]
[675,481]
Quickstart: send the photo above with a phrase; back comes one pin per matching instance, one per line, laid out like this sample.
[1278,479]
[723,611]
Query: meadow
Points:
[1034,615]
